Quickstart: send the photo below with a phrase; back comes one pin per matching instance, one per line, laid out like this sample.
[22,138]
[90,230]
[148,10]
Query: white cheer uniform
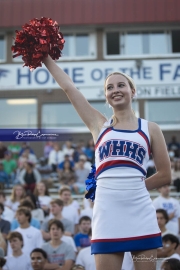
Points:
[124,218]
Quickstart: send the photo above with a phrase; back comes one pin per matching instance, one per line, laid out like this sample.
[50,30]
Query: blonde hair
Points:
[13,195]
[131,84]
[36,193]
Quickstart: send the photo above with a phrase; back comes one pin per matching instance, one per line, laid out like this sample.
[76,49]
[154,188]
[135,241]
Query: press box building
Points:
[138,37]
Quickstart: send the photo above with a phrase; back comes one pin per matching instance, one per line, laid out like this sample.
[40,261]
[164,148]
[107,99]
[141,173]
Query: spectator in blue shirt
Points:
[82,238]
[66,158]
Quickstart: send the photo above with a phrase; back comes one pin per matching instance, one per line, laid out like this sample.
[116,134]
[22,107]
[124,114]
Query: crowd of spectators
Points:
[69,164]
[39,231]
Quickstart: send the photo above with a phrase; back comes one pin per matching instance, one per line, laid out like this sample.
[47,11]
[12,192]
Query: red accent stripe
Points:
[115,162]
[126,239]
[101,136]
[147,141]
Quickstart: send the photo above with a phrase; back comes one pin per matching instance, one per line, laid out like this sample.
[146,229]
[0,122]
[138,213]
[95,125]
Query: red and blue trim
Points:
[101,136]
[118,163]
[146,140]
[106,246]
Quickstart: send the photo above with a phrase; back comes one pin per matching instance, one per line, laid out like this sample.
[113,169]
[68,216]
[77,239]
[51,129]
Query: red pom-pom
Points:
[38,39]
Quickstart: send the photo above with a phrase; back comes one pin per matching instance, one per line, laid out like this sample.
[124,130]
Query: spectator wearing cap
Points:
[10,165]
[29,176]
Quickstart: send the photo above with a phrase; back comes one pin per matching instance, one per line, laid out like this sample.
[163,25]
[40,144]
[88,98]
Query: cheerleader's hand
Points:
[37,40]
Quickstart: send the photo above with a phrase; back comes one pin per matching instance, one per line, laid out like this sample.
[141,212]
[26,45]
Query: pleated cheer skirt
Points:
[124,218]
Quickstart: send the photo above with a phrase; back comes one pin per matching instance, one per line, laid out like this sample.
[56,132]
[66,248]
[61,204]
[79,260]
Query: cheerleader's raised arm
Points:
[93,119]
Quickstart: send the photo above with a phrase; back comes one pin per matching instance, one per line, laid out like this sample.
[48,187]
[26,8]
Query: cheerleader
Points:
[124,219]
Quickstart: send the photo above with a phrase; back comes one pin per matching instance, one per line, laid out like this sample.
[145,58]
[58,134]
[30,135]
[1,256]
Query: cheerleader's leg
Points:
[109,261]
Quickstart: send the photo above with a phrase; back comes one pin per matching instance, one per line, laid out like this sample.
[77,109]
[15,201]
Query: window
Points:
[2,48]
[176,41]
[113,43]
[18,113]
[60,115]
[163,112]
[79,46]
[141,43]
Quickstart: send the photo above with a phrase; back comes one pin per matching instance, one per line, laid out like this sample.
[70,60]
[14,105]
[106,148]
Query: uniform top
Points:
[122,153]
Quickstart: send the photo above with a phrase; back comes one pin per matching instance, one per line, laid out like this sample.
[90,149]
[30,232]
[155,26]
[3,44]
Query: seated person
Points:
[171,264]
[171,242]
[4,224]
[66,158]
[56,213]
[59,253]
[4,177]
[34,222]
[38,259]
[32,237]
[82,238]
[7,214]
[17,258]
[162,218]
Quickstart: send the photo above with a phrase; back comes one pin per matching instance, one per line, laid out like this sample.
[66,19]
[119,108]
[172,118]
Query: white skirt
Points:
[124,219]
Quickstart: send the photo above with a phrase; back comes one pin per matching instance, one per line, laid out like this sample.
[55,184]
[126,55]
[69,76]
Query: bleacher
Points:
[54,193]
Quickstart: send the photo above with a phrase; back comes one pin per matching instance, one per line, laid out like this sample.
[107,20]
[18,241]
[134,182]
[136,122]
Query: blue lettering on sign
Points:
[177,73]
[20,75]
[123,148]
[96,74]
[135,72]
[76,74]
[163,70]
[124,70]
[37,77]
[147,73]
[66,70]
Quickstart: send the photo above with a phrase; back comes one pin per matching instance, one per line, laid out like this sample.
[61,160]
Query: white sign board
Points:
[155,78]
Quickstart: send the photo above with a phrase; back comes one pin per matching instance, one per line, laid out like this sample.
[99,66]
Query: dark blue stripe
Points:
[123,165]
[130,131]
[147,139]
[123,246]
